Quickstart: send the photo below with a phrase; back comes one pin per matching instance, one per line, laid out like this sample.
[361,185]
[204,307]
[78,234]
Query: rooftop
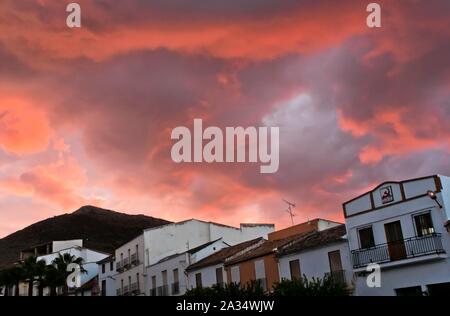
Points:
[266,248]
[107,259]
[213,223]
[314,239]
[301,228]
[222,255]
[190,251]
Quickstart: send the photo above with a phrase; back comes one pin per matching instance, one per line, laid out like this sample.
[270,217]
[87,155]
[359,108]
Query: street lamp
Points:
[433,196]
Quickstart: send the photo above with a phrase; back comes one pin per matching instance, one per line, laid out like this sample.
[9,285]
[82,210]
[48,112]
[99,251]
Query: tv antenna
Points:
[289,210]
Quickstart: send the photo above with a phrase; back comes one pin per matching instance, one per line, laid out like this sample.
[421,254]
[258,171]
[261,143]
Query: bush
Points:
[326,286]
[253,288]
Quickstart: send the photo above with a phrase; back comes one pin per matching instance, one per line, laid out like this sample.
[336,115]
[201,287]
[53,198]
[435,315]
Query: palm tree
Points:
[61,263]
[41,272]
[52,279]
[33,270]
[10,277]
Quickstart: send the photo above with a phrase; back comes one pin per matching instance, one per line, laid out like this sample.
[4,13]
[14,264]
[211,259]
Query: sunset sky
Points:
[86,114]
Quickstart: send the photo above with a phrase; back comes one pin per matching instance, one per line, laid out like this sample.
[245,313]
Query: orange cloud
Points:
[59,183]
[253,38]
[24,128]
[392,136]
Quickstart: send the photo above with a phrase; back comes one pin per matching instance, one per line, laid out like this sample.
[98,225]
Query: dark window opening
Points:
[294,266]
[442,289]
[366,238]
[198,280]
[409,291]
[424,225]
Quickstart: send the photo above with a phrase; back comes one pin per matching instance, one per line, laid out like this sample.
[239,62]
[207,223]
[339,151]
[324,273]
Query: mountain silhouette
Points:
[101,230]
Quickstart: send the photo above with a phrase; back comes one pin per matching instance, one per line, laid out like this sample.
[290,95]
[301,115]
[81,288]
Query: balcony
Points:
[163,290]
[400,250]
[119,266]
[175,288]
[119,292]
[126,290]
[135,288]
[126,263]
[153,292]
[134,259]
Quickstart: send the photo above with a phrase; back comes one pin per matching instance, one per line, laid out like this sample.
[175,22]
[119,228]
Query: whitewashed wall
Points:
[176,238]
[315,262]
[134,271]
[406,272]
[208,275]
[109,277]
[180,262]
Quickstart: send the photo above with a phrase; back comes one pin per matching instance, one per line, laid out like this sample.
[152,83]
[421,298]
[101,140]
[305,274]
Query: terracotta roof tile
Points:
[222,255]
[314,239]
[266,248]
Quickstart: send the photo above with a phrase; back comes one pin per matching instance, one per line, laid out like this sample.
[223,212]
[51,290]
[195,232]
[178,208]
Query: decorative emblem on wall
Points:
[386,195]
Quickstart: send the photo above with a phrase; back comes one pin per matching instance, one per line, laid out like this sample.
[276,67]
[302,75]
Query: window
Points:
[409,291]
[219,276]
[138,281]
[103,287]
[198,280]
[334,258]
[235,274]
[442,289]
[153,286]
[424,224]
[111,266]
[103,268]
[294,266]
[176,284]
[366,238]
[164,277]
[260,269]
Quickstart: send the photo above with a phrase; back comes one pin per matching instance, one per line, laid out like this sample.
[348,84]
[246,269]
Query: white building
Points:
[154,244]
[167,277]
[318,254]
[89,277]
[107,276]
[170,239]
[401,227]
[130,279]
[49,248]
[210,271]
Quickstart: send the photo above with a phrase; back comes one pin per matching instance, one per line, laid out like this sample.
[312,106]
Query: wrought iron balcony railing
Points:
[163,290]
[119,266]
[399,250]
[135,288]
[175,288]
[134,259]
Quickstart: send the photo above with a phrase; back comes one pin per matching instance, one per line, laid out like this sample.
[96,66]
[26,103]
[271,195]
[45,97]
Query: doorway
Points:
[396,244]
